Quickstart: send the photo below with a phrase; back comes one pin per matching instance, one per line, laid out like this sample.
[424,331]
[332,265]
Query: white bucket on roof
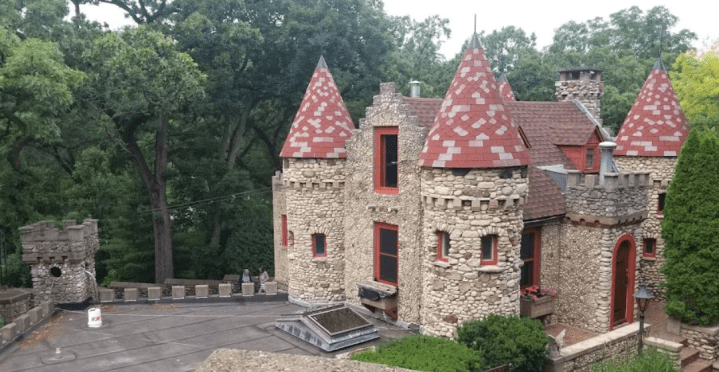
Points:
[94,319]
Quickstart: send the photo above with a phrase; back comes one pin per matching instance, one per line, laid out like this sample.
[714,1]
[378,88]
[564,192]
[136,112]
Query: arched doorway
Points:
[623,270]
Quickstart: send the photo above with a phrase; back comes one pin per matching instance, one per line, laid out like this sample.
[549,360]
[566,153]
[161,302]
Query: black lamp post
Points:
[643,296]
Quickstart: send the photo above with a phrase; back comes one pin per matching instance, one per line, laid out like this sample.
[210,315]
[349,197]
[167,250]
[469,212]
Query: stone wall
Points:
[314,197]
[13,303]
[364,206]
[618,345]
[278,209]
[586,274]
[661,171]
[704,339]
[71,251]
[588,90]
[469,206]
[620,198]
[550,272]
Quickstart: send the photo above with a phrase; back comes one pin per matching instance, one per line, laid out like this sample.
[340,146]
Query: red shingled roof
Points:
[655,126]
[473,129]
[505,90]
[322,124]
[425,109]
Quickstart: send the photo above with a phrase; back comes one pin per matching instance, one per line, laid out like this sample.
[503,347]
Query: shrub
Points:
[423,353]
[650,360]
[507,339]
[689,229]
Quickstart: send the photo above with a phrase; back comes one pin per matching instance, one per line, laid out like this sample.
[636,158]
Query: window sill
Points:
[649,258]
[319,259]
[492,269]
[442,264]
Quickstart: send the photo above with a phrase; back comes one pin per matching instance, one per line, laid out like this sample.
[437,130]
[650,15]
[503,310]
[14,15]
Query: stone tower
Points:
[583,84]
[474,183]
[313,181]
[61,259]
[650,139]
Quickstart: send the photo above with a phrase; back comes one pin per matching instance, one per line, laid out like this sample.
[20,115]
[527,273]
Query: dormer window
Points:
[589,161]
[386,177]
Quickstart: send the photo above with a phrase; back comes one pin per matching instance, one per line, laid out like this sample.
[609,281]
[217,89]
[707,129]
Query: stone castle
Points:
[437,211]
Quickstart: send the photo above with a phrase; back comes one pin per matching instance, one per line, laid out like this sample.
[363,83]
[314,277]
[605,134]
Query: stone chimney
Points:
[607,160]
[583,84]
[414,88]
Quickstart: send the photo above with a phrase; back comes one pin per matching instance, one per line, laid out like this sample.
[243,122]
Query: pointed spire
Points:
[474,43]
[655,125]
[659,65]
[505,89]
[473,129]
[322,124]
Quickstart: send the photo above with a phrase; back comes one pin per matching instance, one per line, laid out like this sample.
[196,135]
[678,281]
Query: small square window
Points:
[650,247]
[319,245]
[489,250]
[660,203]
[442,246]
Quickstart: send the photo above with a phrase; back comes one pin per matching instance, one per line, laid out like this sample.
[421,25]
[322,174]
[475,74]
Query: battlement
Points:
[620,198]
[46,231]
[277,179]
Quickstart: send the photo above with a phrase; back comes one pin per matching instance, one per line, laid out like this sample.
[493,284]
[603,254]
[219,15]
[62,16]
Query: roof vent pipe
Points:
[414,88]
[607,160]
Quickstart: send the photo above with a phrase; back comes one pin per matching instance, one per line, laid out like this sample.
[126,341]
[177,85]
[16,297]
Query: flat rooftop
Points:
[162,337]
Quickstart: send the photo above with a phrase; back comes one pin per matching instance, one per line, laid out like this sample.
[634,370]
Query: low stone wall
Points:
[620,344]
[11,331]
[703,339]
[14,302]
[668,347]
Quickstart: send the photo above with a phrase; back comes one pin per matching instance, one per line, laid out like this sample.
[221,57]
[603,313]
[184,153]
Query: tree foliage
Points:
[689,229]
[696,81]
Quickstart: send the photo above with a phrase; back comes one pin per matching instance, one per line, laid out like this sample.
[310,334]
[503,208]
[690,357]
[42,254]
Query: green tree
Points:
[696,81]
[689,229]
[145,86]
[504,47]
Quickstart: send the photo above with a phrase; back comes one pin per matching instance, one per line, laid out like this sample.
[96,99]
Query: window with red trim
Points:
[529,253]
[442,246]
[489,250]
[319,245]
[589,161]
[660,203]
[284,230]
[650,247]
[386,177]
[386,253]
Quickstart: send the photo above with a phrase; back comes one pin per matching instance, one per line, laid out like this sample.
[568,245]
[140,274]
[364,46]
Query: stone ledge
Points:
[663,344]
[492,269]
[649,258]
[319,259]
[597,342]
[442,264]
[709,330]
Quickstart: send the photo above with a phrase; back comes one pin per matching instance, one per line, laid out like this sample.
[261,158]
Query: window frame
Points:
[587,165]
[494,259]
[645,246]
[379,156]
[442,237]
[661,201]
[537,258]
[314,245]
[377,227]
[284,230]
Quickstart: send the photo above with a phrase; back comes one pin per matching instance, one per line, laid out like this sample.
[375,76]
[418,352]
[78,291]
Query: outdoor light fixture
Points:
[643,296]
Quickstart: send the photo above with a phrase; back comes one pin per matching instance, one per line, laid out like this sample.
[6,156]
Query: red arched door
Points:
[623,267]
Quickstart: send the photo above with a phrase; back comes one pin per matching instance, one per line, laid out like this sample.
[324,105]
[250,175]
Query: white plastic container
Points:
[94,318]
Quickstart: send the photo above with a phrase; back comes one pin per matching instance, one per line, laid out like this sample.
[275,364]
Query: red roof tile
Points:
[505,90]
[322,124]
[425,109]
[544,198]
[473,129]
[655,126]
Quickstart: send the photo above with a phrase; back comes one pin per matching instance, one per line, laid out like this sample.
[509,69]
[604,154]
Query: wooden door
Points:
[621,282]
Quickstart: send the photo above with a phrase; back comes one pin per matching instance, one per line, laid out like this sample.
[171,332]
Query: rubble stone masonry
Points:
[71,250]
[365,206]
[469,206]
[314,192]
[661,171]
[278,210]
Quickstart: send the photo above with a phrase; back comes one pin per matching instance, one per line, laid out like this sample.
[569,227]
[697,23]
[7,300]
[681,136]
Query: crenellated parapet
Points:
[619,199]
[60,260]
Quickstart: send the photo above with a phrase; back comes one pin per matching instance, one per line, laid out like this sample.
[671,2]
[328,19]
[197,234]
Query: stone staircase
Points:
[688,359]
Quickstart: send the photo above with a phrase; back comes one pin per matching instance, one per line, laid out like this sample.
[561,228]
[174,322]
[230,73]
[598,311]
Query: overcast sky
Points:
[538,16]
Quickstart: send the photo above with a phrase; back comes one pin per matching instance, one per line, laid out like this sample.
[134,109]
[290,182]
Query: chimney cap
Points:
[608,145]
[583,68]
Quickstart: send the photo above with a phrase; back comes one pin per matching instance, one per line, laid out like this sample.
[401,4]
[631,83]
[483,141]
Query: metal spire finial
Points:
[475,23]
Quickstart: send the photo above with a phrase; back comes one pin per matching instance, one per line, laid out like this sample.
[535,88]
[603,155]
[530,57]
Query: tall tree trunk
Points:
[157,190]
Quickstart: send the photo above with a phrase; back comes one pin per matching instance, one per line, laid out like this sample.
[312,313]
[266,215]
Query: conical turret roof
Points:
[656,125]
[473,129]
[322,124]
[505,90]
